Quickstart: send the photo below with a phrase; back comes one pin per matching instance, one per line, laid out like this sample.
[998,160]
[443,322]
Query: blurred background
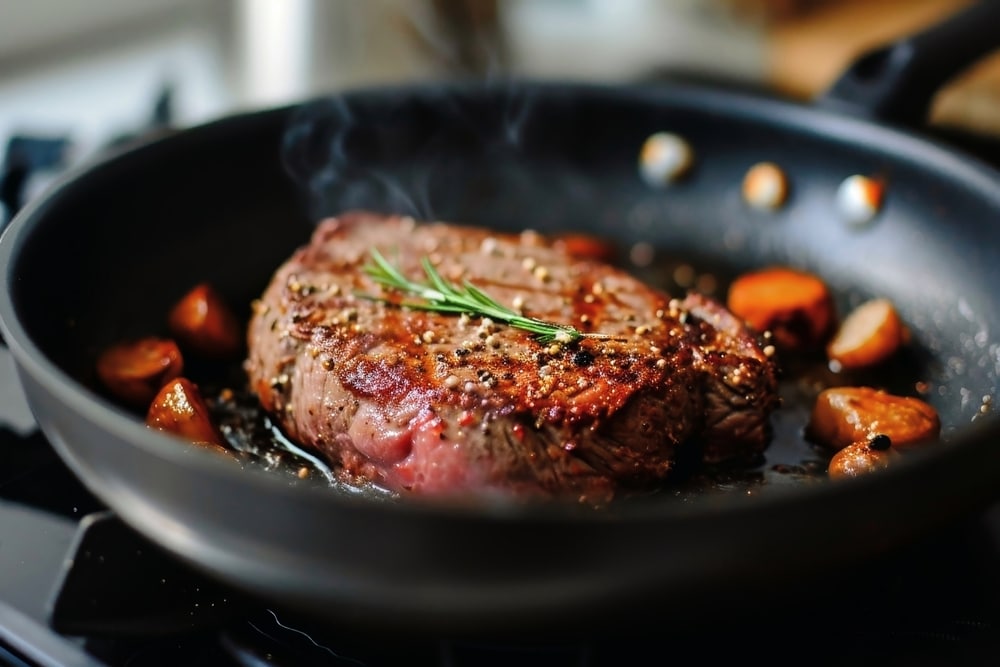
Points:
[79,75]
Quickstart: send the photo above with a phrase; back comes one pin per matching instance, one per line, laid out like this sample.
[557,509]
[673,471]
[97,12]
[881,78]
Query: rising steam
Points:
[406,150]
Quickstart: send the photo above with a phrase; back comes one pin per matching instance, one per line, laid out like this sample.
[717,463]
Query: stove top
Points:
[78,587]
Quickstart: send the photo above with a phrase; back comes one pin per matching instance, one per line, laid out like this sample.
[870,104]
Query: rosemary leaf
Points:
[440,296]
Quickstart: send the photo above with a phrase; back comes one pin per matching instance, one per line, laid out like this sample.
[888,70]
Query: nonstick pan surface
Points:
[104,255]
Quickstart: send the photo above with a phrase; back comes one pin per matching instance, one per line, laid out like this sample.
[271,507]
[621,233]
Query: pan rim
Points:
[904,143]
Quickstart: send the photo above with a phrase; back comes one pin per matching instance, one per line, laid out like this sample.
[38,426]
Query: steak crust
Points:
[443,405]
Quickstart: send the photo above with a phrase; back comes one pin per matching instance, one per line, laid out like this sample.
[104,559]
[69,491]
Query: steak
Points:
[450,405]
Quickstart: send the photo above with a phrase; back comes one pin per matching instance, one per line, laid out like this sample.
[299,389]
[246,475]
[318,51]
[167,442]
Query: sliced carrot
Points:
[204,323]
[179,408]
[869,335]
[844,415]
[133,371]
[795,306]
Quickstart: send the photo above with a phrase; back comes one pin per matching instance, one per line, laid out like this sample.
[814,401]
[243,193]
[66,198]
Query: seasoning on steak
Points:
[448,405]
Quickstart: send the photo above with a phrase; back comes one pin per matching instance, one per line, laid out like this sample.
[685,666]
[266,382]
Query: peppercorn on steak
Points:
[600,387]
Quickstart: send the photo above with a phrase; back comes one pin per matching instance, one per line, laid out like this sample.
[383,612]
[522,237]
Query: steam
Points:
[405,150]
[516,111]
[318,154]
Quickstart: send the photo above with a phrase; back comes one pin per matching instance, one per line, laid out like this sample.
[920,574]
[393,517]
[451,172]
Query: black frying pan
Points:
[110,248]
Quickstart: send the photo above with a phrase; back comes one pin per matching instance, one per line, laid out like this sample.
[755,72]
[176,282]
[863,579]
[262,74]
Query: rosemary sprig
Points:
[441,296]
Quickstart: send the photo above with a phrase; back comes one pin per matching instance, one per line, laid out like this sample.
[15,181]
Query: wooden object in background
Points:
[808,50]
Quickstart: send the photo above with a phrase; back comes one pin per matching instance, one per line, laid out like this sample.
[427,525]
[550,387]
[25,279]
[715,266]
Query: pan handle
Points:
[896,83]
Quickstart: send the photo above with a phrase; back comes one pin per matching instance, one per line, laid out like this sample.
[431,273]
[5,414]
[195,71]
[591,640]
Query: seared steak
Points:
[450,405]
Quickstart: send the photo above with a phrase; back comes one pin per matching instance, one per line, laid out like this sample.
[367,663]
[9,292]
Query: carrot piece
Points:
[179,408]
[204,323]
[844,415]
[585,246]
[870,334]
[795,306]
[133,371]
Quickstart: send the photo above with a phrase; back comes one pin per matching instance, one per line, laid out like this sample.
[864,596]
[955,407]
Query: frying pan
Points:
[105,253]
